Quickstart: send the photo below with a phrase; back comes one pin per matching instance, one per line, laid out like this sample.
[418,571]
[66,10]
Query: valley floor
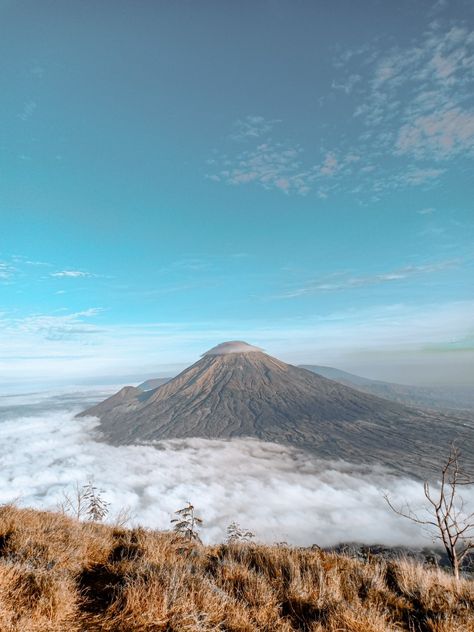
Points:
[61,575]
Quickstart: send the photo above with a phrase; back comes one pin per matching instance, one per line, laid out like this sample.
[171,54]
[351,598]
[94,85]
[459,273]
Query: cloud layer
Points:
[278,493]
[410,101]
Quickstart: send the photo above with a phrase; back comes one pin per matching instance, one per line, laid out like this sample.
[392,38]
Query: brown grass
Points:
[60,575]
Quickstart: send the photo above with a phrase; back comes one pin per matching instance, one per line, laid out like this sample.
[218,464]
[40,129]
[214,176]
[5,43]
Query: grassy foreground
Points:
[58,574]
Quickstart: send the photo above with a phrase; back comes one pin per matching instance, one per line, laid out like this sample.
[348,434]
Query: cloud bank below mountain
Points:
[279,493]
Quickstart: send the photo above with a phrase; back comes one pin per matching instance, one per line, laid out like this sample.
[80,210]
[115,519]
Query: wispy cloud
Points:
[441,134]
[342,281]
[28,110]
[6,270]
[273,165]
[63,347]
[421,94]
[22,260]
[188,264]
[73,274]
[348,85]
[280,165]
[57,327]
[252,127]
[414,176]
[412,102]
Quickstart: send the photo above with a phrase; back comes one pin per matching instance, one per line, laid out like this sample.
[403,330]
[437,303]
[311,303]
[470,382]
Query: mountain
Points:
[452,397]
[236,390]
[150,385]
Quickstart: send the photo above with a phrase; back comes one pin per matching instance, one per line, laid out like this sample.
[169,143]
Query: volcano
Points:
[237,390]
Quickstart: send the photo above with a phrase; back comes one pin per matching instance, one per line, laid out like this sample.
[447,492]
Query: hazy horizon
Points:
[404,370]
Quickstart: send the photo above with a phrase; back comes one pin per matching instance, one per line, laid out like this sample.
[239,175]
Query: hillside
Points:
[452,397]
[61,575]
[150,385]
[247,393]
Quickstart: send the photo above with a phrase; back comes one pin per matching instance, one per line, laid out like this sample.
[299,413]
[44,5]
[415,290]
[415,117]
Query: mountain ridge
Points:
[446,397]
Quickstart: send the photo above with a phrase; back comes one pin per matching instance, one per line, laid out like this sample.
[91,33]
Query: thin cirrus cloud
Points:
[252,127]
[6,271]
[29,108]
[72,274]
[55,327]
[414,176]
[339,281]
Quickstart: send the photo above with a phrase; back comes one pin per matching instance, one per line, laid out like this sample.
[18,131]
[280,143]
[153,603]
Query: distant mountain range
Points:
[236,390]
[452,397]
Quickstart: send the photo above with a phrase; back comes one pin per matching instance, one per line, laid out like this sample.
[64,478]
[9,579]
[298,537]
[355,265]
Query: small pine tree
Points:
[235,533]
[186,525]
[96,507]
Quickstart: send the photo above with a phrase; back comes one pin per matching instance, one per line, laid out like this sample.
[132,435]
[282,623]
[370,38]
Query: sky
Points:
[294,174]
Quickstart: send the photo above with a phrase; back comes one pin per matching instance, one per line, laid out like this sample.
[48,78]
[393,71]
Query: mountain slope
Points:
[150,385]
[452,397]
[248,393]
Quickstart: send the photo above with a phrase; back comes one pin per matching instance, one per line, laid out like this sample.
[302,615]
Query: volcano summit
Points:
[237,390]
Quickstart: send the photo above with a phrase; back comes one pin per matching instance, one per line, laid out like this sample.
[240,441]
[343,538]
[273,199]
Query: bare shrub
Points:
[446,512]
[85,502]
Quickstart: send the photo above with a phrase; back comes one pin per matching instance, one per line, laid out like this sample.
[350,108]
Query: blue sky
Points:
[294,174]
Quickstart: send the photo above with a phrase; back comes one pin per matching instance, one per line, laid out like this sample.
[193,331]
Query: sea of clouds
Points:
[279,493]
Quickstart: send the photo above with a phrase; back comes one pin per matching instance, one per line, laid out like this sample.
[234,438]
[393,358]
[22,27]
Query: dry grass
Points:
[60,575]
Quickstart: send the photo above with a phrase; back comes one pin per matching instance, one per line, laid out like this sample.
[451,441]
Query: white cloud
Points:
[37,263]
[74,274]
[279,493]
[28,110]
[280,165]
[414,176]
[6,270]
[330,165]
[337,282]
[413,101]
[440,134]
[252,127]
[271,165]
[410,102]
[348,86]
[57,327]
